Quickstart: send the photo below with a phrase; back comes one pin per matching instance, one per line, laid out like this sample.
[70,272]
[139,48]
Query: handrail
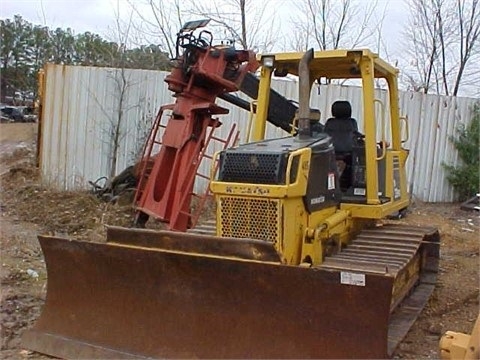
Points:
[291,156]
[383,142]
[404,119]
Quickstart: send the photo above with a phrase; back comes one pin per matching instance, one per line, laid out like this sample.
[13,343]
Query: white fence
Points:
[81,107]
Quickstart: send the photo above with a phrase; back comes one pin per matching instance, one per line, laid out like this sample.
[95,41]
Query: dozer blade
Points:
[116,300]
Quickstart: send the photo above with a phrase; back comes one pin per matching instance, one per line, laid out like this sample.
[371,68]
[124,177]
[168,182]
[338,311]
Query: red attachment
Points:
[201,74]
[202,198]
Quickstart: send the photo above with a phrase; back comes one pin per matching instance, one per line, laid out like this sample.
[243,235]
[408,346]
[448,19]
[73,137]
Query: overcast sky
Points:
[80,15]
[98,15]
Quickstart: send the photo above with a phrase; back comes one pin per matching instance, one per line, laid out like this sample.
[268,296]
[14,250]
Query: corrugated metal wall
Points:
[81,107]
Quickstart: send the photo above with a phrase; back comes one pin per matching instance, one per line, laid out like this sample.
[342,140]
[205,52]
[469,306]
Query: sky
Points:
[98,16]
[79,15]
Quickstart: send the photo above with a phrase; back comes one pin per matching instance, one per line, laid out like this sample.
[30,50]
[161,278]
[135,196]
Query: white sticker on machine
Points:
[331,181]
[349,278]
[359,191]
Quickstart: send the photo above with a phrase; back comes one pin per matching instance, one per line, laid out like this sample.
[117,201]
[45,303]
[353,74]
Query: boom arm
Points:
[281,111]
[199,76]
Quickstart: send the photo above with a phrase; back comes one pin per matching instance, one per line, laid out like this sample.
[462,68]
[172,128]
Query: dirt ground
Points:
[28,209]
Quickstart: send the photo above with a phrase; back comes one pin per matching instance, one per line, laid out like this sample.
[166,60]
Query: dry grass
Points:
[76,214]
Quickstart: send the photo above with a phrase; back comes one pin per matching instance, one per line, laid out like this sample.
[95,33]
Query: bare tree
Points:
[249,22]
[333,24]
[442,41]
[162,23]
[115,129]
[424,42]
[253,24]
[469,32]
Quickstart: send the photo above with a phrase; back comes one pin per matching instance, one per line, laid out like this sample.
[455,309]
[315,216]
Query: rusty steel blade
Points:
[194,243]
[119,301]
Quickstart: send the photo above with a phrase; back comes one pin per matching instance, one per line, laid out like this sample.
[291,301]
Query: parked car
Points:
[20,98]
[17,114]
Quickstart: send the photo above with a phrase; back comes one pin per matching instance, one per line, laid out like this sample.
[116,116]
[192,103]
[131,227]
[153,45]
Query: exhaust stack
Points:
[304,131]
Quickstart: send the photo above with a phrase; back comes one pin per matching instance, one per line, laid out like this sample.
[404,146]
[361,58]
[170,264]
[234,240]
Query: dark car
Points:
[18,114]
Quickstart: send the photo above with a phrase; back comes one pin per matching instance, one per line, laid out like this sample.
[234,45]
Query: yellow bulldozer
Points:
[301,264]
[460,346]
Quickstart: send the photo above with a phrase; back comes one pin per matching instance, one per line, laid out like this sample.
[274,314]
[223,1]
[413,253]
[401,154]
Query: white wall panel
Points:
[81,104]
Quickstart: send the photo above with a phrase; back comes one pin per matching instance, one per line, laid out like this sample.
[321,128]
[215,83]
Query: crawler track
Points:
[409,254]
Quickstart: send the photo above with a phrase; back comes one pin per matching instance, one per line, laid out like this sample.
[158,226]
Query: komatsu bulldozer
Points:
[301,265]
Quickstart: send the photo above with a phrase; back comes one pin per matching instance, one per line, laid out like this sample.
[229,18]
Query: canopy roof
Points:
[333,64]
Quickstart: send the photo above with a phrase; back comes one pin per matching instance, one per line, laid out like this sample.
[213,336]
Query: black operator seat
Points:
[342,128]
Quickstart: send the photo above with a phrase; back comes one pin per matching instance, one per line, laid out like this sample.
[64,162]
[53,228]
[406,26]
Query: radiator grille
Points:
[250,218]
[253,168]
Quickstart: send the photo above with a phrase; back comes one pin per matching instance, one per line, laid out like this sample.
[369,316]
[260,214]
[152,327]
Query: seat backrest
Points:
[342,127]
